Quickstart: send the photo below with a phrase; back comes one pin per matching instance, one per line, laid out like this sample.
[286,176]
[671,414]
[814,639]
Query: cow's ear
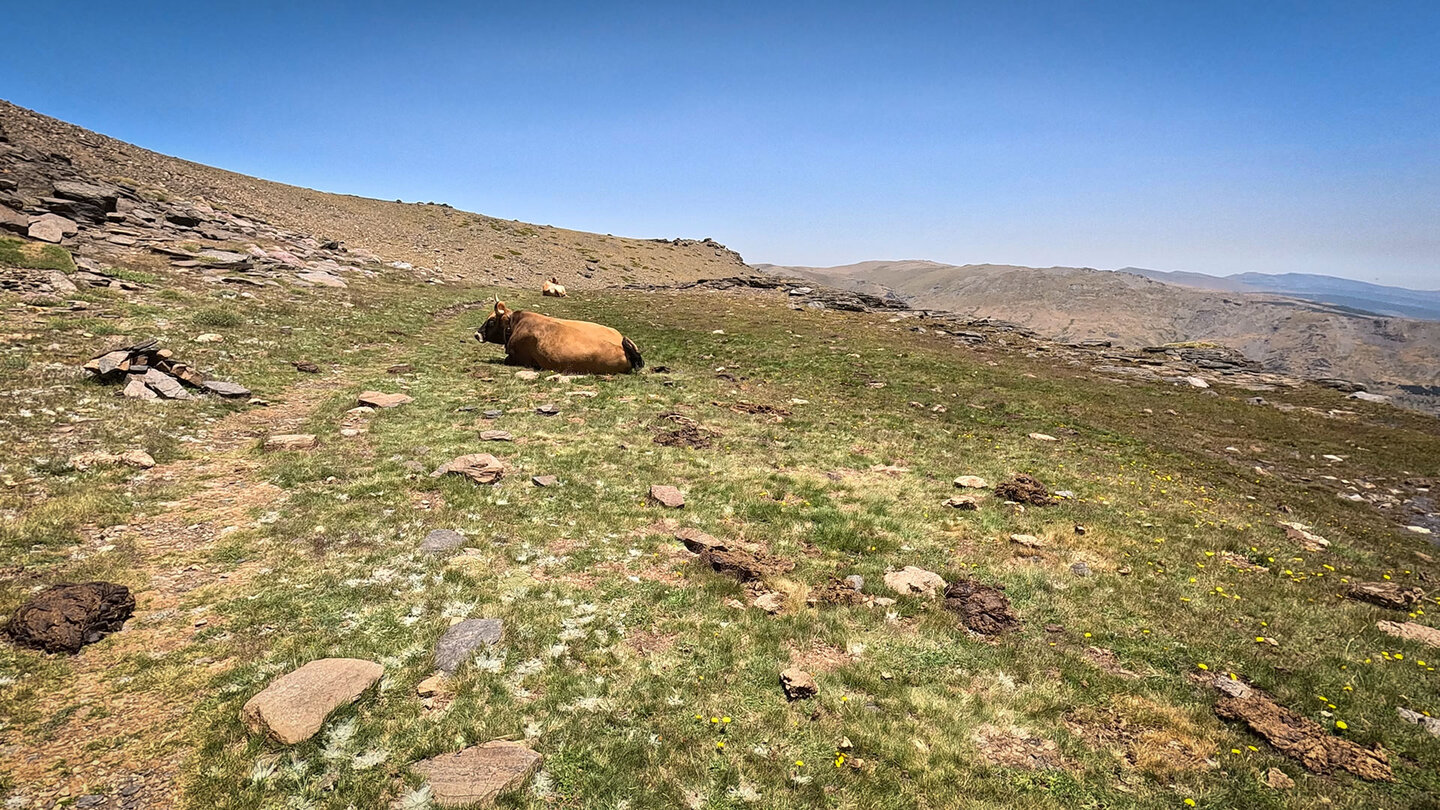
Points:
[500,308]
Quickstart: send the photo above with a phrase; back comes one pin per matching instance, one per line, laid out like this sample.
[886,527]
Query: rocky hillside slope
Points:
[438,238]
[1298,337]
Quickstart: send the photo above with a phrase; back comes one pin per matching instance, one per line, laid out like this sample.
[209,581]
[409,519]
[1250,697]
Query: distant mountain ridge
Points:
[1373,298]
[1291,333]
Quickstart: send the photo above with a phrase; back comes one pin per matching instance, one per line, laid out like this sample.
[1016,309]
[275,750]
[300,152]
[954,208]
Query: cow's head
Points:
[493,330]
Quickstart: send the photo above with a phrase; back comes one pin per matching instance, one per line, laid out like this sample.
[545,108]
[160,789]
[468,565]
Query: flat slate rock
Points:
[225,389]
[323,279]
[666,496]
[377,399]
[294,706]
[496,436]
[544,480]
[462,639]
[291,441]
[442,540]
[64,618]
[478,775]
[482,468]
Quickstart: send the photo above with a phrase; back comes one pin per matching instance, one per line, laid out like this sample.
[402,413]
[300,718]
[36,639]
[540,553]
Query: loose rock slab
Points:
[482,468]
[666,496]
[294,706]
[462,639]
[912,580]
[478,775]
[64,618]
[798,684]
[1410,631]
[442,540]
[378,399]
[1385,594]
[971,482]
[1304,739]
[496,436]
[544,480]
[1302,534]
[291,441]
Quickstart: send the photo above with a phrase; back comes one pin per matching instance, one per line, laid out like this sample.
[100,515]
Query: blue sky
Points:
[1211,136]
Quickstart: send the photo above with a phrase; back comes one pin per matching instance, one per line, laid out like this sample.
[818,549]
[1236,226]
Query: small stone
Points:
[972,482]
[1302,534]
[527,374]
[461,640]
[1195,382]
[1417,529]
[855,581]
[294,706]
[771,602]
[1232,687]
[544,480]
[482,468]
[493,414]
[478,775]
[1277,779]
[1027,540]
[441,540]
[208,337]
[1079,529]
[90,800]
[307,367]
[1124,571]
[1430,724]
[377,399]
[666,496]
[292,441]
[912,580]
[798,684]
[431,686]
[1410,631]
[548,410]
[1043,437]
[496,436]
[135,388]
[965,503]
[400,368]
[1080,569]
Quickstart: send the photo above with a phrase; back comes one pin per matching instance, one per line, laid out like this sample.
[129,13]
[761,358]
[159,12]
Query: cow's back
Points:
[557,344]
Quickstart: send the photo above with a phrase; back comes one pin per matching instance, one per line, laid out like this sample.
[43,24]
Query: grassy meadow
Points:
[630,668]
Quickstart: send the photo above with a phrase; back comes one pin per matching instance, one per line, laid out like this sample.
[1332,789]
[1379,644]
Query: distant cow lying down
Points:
[553,287]
[577,347]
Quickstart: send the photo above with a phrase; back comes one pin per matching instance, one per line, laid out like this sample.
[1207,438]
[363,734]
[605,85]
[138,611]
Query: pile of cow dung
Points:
[150,372]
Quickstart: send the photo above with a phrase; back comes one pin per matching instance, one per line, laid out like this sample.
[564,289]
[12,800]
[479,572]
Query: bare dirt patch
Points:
[1143,734]
[686,433]
[1014,747]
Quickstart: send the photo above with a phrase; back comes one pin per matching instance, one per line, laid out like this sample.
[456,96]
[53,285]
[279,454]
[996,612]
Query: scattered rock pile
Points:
[150,372]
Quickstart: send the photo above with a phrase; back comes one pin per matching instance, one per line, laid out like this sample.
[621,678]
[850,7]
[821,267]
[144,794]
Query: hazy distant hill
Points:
[1376,298]
[1285,332]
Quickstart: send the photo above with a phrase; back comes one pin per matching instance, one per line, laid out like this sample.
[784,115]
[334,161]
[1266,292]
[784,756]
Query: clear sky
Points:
[1208,135]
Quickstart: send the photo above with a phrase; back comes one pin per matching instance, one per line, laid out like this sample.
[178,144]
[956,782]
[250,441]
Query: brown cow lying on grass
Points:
[539,341]
[553,287]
